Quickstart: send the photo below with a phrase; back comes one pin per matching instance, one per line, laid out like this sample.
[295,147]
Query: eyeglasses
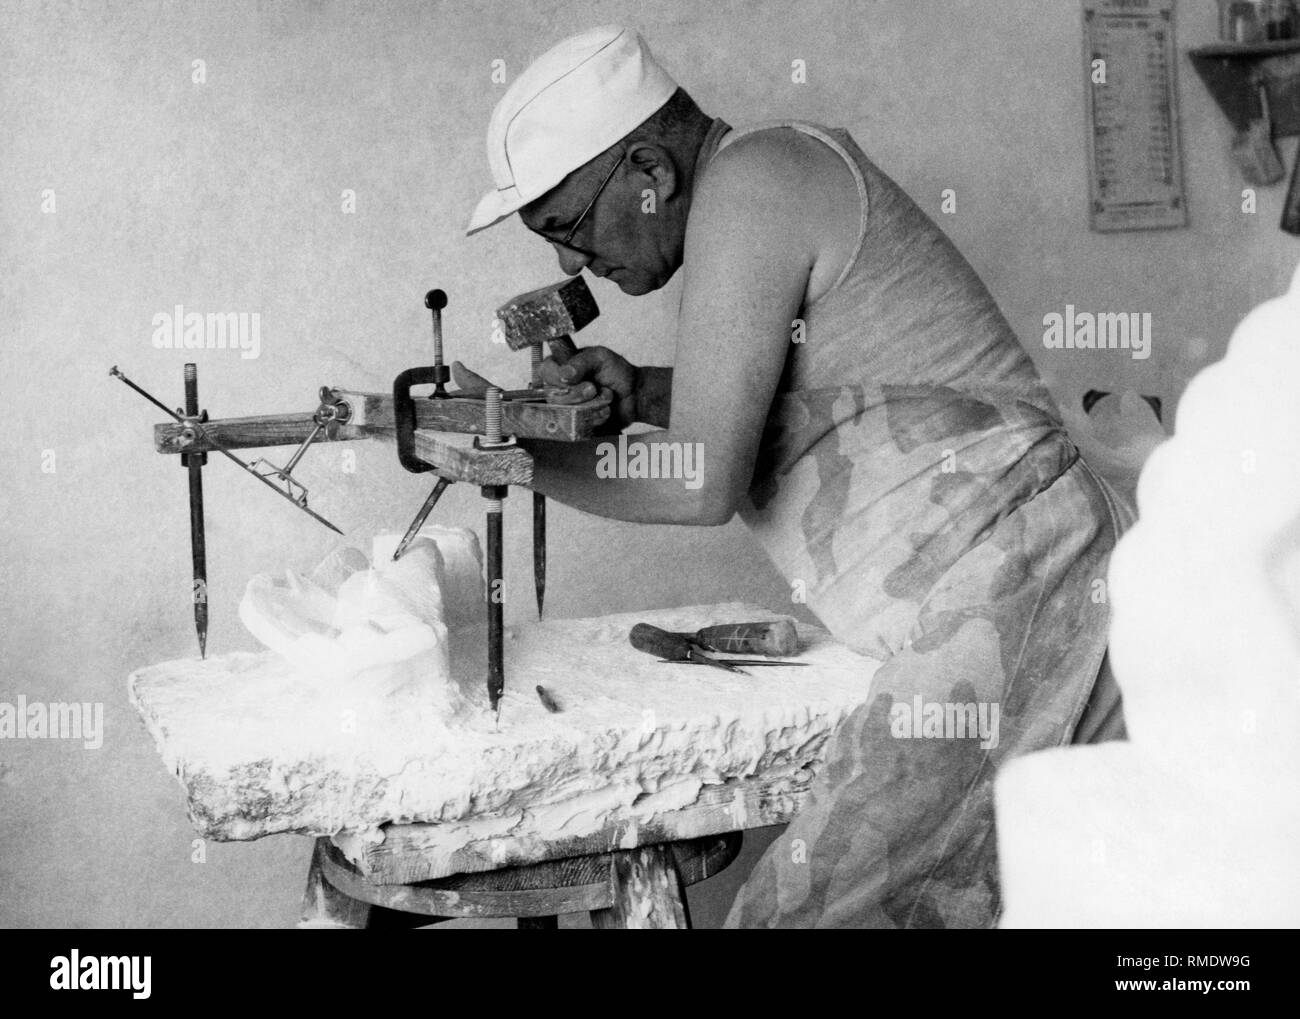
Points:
[578,222]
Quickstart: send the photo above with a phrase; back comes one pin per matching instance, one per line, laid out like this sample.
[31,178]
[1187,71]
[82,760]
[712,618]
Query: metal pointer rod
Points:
[496,681]
[539,500]
[539,549]
[198,546]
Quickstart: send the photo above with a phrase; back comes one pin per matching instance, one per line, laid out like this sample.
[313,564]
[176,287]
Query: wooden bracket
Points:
[1233,73]
[457,458]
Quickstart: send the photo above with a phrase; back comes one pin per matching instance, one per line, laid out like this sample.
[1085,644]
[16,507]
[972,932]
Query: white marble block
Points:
[1195,822]
[261,747]
[382,627]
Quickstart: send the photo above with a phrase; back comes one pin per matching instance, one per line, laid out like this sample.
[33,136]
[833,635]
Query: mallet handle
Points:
[777,639]
[563,348]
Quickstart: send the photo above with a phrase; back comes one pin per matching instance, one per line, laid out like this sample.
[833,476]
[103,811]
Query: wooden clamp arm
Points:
[372,415]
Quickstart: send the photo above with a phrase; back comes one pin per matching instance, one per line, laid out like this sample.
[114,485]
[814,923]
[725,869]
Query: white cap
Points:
[570,104]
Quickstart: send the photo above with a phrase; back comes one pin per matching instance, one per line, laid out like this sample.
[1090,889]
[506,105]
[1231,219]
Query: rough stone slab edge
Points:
[385,863]
[499,838]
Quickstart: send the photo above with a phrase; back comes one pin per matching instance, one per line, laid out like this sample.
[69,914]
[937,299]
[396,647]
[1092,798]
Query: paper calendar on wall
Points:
[1135,166]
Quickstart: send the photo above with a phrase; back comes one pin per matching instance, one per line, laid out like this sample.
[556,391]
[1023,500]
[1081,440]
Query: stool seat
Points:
[641,887]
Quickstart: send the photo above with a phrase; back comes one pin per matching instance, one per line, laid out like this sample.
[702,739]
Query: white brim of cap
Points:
[570,105]
[493,207]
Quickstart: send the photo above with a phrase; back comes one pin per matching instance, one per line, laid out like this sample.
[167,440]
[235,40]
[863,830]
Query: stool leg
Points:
[324,907]
[647,893]
[537,923]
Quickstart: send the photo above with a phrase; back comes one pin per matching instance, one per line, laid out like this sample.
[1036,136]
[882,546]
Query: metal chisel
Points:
[681,648]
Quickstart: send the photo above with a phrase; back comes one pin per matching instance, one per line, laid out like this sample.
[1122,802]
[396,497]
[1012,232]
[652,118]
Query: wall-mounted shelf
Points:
[1232,72]
[1247,49]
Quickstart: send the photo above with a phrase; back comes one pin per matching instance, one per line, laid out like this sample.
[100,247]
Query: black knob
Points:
[435,300]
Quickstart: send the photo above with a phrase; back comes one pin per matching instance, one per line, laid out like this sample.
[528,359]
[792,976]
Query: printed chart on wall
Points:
[1134,156]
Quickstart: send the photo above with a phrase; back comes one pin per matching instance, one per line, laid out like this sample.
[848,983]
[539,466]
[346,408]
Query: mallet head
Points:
[547,313]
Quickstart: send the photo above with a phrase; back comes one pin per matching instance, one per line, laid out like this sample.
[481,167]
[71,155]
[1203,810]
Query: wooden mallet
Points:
[548,315]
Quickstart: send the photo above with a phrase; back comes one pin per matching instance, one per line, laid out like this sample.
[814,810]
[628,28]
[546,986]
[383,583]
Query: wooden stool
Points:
[638,888]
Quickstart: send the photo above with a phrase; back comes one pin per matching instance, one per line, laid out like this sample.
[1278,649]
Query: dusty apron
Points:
[917,488]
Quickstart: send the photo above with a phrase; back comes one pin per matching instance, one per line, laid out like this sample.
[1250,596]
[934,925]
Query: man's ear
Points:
[653,167]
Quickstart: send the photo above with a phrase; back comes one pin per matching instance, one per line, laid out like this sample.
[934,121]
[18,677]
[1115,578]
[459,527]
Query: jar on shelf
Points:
[1242,20]
[1280,19]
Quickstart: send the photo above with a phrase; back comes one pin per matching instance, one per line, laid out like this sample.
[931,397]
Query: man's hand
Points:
[470,383]
[589,371]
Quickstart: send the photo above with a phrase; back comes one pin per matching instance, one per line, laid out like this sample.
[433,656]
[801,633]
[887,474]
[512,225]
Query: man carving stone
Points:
[862,403]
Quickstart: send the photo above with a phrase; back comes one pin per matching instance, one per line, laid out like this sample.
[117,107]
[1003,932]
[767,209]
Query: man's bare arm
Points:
[752,239]
[654,395]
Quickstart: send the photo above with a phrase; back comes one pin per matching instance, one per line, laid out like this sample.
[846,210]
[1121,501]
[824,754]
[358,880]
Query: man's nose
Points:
[571,262]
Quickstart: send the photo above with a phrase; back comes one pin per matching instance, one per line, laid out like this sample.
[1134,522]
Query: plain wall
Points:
[226,196]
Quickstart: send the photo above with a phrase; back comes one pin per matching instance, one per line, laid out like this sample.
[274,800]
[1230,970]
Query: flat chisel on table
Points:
[681,648]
